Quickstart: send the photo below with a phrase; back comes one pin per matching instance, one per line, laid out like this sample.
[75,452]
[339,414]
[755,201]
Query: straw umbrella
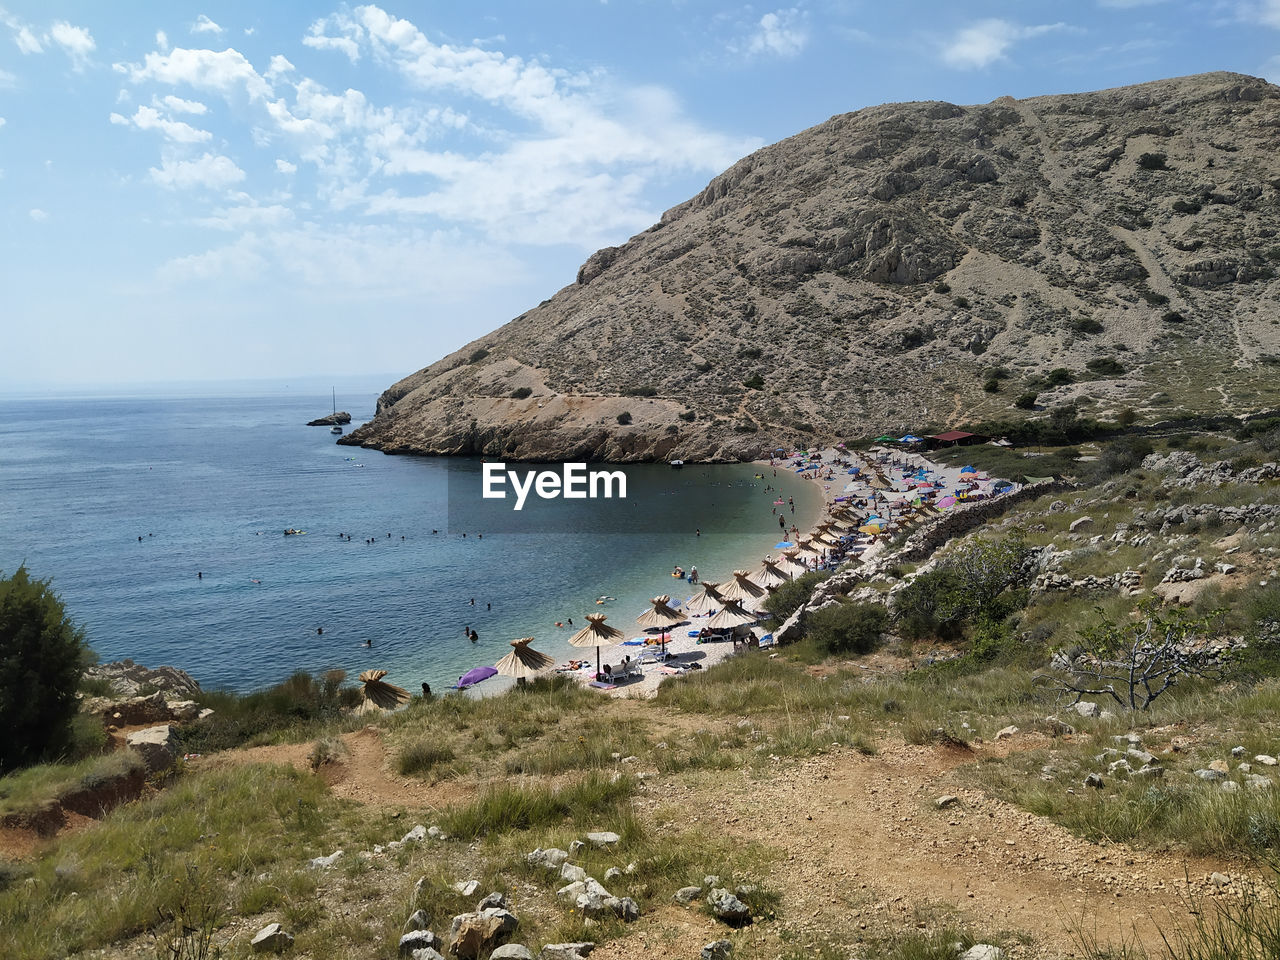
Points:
[791,563]
[744,590]
[733,615]
[523,661]
[596,634]
[706,601]
[805,545]
[381,694]
[771,574]
[663,616]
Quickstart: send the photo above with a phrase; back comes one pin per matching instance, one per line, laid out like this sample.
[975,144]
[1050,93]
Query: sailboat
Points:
[335,428]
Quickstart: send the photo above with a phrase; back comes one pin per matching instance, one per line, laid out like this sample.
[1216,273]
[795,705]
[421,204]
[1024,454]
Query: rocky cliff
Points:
[909,266]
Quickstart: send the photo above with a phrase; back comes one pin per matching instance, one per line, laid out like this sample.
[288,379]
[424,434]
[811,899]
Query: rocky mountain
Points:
[908,266]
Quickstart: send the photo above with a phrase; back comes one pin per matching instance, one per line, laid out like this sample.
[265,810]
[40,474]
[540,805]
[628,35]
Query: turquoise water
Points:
[210,483]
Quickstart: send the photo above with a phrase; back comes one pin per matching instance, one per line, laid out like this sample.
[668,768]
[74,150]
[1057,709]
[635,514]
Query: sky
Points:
[249,190]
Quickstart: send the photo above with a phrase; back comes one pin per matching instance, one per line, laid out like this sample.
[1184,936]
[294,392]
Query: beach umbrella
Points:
[744,590]
[380,693]
[783,544]
[791,564]
[770,574]
[597,634]
[805,545]
[706,601]
[733,615]
[661,616]
[523,661]
[475,675]
[946,502]
[883,439]
[871,529]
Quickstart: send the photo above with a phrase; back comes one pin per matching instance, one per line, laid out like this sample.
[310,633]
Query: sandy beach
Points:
[882,474]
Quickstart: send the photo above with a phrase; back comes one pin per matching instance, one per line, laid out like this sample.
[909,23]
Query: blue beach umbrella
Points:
[474,676]
[784,543]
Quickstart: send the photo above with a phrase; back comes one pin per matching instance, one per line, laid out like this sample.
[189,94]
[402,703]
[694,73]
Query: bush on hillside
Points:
[42,654]
[786,600]
[1026,401]
[847,627]
[966,586]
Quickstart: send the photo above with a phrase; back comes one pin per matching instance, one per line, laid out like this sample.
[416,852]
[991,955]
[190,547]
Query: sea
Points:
[159,520]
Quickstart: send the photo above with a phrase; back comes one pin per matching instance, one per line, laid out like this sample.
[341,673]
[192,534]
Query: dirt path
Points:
[363,775]
[867,844]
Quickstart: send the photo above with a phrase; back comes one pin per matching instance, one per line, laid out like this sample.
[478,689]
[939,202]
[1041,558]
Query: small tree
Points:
[42,655]
[848,627]
[1135,661]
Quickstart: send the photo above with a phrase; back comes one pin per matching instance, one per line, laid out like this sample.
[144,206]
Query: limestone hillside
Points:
[870,273]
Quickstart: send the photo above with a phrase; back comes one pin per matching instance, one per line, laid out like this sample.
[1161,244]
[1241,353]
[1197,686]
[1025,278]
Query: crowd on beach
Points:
[867,498]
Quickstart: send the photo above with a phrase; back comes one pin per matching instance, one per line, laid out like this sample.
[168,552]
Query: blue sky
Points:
[226,190]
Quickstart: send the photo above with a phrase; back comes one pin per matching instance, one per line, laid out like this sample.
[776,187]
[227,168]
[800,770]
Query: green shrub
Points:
[1153,161]
[750,353]
[520,393]
[991,385]
[1105,366]
[688,416]
[962,302]
[967,585]
[645,391]
[42,655]
[422,757]
[624,418]
[1059,377]
[1186,206]
[1173,316]
[787,598]
[703,366]
[477,355]
[1026,401]
[847,627]
[754,382]
[942,287]
[1087,325]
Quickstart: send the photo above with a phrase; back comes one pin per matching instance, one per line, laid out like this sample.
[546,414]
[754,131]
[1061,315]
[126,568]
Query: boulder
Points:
[156,746]
[1210,774]
[511,951]
[184,711]
[603,839]
[1220,765]
[550,859]
[717,950]
[324,863]
[946,800]
[1095,781]
[1265,760]
[566,951]
[572,872]
[1078,523]
[982,951]
[725,906]
[624,908]
[426,953]
[467,888]
[271,939]
[418,920]
[1087,708]
[1006,732]
[613,873]
[473,934]
[496,900]
[687,894]
[414,940]
[416,835]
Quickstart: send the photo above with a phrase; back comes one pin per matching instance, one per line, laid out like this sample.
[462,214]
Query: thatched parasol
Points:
[597,634]
[661,616]
[706,601]
[744,590]
[791,563]
[523,662]
[771,574]
[805,545]
[733,615]
[380,693]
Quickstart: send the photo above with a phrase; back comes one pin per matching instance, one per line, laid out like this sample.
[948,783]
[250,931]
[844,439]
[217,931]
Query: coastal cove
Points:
[210,484]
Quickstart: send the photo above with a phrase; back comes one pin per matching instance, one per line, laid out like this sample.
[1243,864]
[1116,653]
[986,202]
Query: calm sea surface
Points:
[211,483]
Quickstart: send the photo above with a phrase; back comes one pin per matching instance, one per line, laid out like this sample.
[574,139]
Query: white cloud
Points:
[148,118]
[284,166]
[987,40]
[223,71]
[782,33]
[27,41]
[7,80]
[76,41]
[3,121]
[211,171]
[162,40]
[278,67]
[37,214]
[178,105]
[350,35]
[247,216]
[204,25]
[1265,12]
[355,262]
